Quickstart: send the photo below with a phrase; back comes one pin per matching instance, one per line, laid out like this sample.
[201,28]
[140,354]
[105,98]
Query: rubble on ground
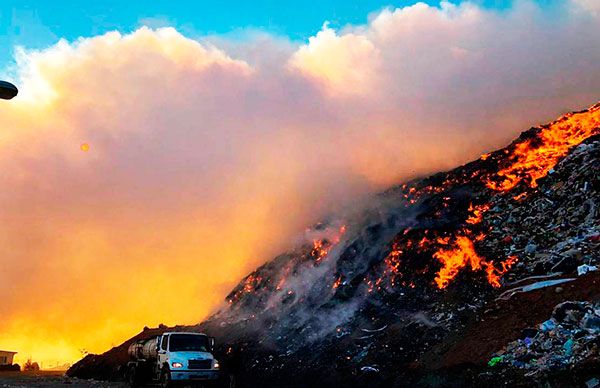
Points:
[554,229]
[435,274]
[570,337]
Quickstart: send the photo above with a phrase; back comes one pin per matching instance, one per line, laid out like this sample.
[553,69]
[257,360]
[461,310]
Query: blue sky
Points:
[40,23]
[36,24]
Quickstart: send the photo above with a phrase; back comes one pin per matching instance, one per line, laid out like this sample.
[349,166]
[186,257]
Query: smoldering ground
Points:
[207,156]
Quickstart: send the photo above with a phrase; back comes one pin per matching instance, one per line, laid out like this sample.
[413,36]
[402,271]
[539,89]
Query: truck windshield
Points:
[188,343]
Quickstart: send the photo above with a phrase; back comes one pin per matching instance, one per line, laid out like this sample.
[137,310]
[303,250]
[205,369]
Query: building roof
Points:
[7,351]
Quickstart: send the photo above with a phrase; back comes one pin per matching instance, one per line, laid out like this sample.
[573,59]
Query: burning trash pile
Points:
[560,218]
[570,337]
[436,272]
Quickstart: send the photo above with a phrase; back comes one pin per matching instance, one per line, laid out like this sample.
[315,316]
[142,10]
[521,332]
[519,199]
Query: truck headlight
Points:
[177,365]
[216,364]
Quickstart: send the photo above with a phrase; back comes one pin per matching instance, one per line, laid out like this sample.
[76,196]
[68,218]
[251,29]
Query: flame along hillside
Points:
[427,279]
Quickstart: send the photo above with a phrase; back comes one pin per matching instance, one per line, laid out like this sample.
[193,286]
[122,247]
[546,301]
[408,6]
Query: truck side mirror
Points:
[211,343]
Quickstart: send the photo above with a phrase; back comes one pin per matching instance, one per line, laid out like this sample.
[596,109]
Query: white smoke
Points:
[206,158]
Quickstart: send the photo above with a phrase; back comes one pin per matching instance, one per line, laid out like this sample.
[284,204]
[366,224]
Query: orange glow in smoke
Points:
[94,251]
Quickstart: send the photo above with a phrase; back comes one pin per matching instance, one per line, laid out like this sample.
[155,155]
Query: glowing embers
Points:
[322,247]
[251,282]
[336,283]
[533,158]
[460,253]
[392,264]
[249,286]
[411,194]
[313,255]
[399,264]
[285,273]
[477,213]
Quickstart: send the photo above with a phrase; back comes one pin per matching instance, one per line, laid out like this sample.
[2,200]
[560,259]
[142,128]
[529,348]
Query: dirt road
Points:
[49,379]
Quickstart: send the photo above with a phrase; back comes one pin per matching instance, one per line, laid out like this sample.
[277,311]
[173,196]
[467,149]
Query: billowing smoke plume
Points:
[144,174]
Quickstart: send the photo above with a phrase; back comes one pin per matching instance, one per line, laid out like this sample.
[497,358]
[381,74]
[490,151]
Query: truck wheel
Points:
[232,381]
[225,381]
[132,377]
[165,379]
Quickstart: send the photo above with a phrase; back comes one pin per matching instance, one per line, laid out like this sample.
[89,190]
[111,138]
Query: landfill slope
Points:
[432,282]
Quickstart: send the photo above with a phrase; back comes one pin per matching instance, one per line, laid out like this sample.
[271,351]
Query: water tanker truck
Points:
[172,358]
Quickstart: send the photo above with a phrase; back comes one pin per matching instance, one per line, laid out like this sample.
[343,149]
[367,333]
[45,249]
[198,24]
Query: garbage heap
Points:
[399,288]
[570,337]
[556,228]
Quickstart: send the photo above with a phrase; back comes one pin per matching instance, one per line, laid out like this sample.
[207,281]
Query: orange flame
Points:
[321,248]
[535,157]
[462,254]
[531,159]
[519,197]
[337,283]
[477,213]
[456,258]
[494,274]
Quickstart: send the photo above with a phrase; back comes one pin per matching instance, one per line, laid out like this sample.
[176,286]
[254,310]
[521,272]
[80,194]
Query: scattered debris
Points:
[425,263]
[371,369]
[375,330]
[584,268]
[592,383]
[533,286]
[569,338]
[495,360]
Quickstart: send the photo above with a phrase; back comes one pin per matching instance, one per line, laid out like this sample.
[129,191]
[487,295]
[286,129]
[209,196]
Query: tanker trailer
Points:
[172,358]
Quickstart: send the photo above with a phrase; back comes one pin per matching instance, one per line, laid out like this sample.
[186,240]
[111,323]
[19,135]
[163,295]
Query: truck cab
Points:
[186,357]
[173,357]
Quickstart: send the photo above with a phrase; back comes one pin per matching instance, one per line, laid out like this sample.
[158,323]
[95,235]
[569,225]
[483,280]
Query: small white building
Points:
[6,357]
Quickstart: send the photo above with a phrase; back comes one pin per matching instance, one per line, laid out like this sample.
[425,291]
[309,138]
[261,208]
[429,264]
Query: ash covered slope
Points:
[398,288]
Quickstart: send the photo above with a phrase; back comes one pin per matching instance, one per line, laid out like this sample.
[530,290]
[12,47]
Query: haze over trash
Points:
[205,156]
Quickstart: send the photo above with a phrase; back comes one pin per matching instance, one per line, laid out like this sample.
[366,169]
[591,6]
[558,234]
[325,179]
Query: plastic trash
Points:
[495,360]
[592,383]
[568,347]
[591,322]
[548,325]
[546,283]
[371,369]
[584,268]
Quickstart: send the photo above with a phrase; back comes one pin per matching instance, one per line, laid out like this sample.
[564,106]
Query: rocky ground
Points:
[44,379]
[463,278]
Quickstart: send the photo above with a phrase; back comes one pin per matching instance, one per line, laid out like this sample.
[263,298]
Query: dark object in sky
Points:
[7,90]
